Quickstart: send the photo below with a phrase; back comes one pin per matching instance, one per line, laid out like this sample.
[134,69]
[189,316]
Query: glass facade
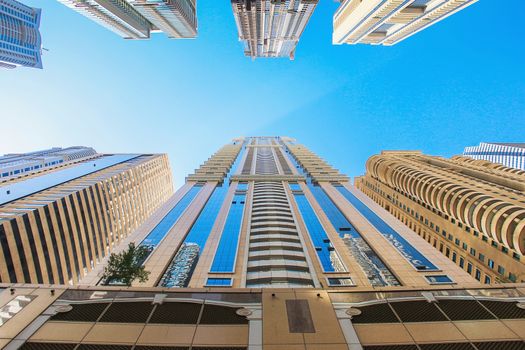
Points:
[416,259]
[376,271]
[324,249]
[162,229]
[183,265]
[226,253]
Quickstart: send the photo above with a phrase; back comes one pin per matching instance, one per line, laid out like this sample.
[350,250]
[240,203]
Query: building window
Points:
[465,246]
[461,262]
[478,275]
[454,256]
[487,280]
[501,270]
[219,282]
[439,279]
[469,267]
[447,252]
[340,282]
[481,257]
[457,241]
[491,263]
[512,277]
[473,251]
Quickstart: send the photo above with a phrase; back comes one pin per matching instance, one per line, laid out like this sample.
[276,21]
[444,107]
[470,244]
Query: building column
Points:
[254,317]
[345,321]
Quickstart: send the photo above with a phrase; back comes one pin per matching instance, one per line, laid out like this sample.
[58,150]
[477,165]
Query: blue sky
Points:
[455,84]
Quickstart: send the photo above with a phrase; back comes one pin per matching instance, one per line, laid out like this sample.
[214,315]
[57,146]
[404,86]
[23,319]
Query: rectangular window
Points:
[456,241]
[340,282]
[491,263]
[226,252]
[487,280]
[447,252]
[481,257]
[501,270]
[473,251]
[512,277]
[478,275]
[219,282]
[469,267]
[465,246]
[454,256]
[439,279]
[461,262]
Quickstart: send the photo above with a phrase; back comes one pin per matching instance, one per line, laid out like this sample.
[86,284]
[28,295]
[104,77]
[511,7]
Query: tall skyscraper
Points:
[472,211]
[511,155]
[387,22]
[136,19]
[60,218]
[176,18]
[344,274]
[20,41]
[266,212]
[271,28]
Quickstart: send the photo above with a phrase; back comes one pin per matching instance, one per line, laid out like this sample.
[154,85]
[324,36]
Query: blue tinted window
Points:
[378,274]
[376,271]
[180,270]
[295,187]
[439,279]
[242,186]
[227,250]
[418,260]
[159,232]
[219,282]
[323,247]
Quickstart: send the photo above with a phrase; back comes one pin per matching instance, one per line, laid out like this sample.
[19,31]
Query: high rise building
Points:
[70,208]
[176,18]
[136,19]
[511,155]
[20,40]
[267,212]
[387,22]
[472,211]
[270,28]
[20,164]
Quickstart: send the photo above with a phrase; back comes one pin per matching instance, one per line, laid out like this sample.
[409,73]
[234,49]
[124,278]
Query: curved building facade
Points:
[482,200]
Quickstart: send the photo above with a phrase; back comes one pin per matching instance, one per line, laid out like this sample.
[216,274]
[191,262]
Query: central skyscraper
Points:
[270,28]
[267,212]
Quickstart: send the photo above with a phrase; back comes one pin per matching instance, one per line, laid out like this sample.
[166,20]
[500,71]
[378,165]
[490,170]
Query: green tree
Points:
[126,266]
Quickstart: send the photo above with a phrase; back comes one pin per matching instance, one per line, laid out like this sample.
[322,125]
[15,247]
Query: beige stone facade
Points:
[59,234]
[472,211]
